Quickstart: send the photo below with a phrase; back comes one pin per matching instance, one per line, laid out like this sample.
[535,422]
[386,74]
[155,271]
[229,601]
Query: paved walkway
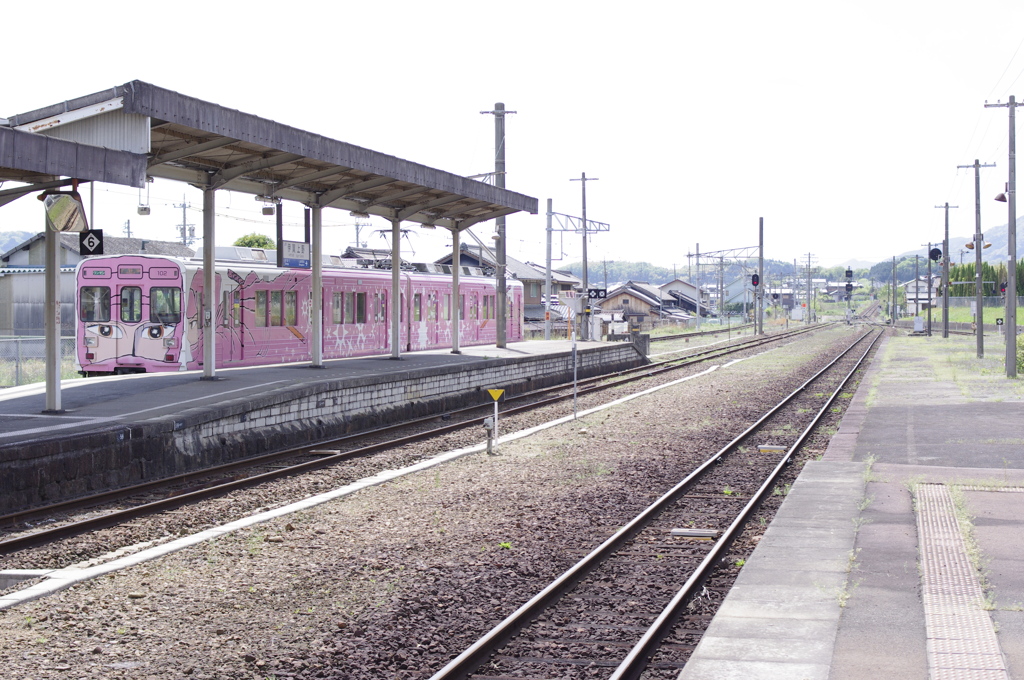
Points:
[97,402]
[856,578]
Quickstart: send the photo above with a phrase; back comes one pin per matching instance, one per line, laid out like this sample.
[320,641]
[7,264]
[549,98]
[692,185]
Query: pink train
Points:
[138,313]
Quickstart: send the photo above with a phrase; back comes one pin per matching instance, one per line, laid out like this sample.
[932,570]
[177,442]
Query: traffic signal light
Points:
[754,280]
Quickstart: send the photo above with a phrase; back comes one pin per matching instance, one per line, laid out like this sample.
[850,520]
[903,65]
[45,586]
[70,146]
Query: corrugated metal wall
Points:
[114,130]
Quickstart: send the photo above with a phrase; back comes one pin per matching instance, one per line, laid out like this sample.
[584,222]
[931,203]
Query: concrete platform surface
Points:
[90,403]
[897,555]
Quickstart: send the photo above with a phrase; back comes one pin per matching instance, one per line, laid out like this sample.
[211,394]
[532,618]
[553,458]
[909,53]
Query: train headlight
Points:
[170,342]
[91,342]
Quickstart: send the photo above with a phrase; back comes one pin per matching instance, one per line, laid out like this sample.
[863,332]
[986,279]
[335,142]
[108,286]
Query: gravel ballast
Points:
[391,582]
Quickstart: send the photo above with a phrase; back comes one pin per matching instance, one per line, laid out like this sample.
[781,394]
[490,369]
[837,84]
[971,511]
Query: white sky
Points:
[841,123]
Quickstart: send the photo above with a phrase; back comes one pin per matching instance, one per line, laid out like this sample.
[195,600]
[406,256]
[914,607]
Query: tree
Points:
[255,240]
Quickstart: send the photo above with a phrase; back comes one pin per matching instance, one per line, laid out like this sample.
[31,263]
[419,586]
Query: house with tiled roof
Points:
[22,285]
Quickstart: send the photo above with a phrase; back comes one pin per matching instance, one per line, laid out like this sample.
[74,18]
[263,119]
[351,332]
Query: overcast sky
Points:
[840,123]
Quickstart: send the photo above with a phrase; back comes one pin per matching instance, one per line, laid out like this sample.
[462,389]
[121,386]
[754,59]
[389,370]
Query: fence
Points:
[991,301]
[23,359]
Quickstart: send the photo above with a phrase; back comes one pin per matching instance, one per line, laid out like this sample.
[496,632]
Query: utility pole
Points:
[759,289]
[547,281]
[945,272]
[929,290]
[584,325]
[698,288]
[185,233]
[979,244]
[1011,245]
[128,228]
[917,287]
[809,308]
[893,289]
[499,113]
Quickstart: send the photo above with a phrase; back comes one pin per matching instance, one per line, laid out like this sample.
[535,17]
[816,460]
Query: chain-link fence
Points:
[23,359]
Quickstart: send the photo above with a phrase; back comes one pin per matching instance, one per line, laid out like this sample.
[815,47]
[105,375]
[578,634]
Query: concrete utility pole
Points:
[979,244]
[184,221]
[893,295]
[759,290]
[1011,245]
[698,287]
[584,325]
[809,288]
[945,272]
[547,281]
[499,113]
[929,256]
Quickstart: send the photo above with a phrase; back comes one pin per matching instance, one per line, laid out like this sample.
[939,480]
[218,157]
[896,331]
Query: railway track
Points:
[168,494]
[615,608]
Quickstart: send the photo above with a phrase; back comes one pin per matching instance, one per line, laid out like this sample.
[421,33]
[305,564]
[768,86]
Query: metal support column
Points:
[456,308]
[209,319]
[52,324]
[318,287]
[396,289]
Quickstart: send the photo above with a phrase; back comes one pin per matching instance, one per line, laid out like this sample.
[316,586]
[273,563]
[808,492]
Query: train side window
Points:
[131,304]
[432,307]
[291,306]
[380,301]
[350,307]
[447,306]
[95,303]
[487,307]
[275,308]
[336,307]
[417,302]
[225,302]
[261,308]
[360,307]
[462,307]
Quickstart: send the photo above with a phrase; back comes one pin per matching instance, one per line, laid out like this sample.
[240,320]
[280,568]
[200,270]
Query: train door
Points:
[129,296]
[230,339]
[432,318]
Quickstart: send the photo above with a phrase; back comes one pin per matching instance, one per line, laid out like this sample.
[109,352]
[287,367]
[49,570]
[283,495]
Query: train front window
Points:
[164,305]
[131,304]
[95,303]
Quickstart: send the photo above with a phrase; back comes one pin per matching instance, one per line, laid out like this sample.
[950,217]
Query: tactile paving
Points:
[962,643]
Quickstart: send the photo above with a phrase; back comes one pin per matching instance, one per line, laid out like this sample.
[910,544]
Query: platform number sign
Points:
[90,242]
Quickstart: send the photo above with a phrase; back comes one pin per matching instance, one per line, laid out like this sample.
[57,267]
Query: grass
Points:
[32,371]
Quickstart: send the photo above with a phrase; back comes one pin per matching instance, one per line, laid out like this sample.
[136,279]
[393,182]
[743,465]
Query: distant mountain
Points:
[9,239]
[857,264]
[997,236]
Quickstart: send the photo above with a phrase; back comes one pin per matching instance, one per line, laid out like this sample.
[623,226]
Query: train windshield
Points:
[95,303]
[165,305]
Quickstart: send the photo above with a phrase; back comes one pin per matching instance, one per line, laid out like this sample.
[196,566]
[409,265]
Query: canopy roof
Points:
[210,146]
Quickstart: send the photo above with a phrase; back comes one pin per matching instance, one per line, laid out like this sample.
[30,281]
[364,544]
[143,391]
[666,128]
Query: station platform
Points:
[124,430]
[871,567]
[90,403]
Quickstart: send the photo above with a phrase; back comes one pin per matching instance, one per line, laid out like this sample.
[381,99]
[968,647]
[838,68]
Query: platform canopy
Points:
[210,146]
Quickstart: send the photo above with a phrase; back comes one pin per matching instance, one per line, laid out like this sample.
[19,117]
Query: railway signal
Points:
[754,280]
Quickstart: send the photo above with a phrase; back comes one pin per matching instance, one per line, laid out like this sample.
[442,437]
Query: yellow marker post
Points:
[496,395]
